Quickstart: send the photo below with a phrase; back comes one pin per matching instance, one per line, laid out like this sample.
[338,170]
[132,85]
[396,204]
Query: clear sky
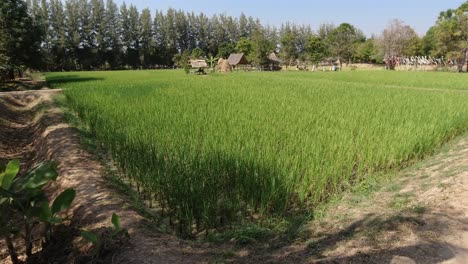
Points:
[371,16]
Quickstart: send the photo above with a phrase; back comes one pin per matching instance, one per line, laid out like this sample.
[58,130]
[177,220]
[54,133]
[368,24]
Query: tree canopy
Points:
[342,39]
[96,34]
[451,35]
[20,37]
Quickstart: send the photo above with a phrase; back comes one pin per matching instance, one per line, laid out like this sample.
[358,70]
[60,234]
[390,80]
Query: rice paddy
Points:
[211,149]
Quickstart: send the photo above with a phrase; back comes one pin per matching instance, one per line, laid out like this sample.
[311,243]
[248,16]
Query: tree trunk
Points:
[466,60]
[11,249]
[392,63]
[27,238]
[11,74]
[460,65]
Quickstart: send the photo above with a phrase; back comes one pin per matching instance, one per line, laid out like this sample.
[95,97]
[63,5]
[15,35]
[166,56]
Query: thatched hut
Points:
[238,60]
[273,62]
[198,64]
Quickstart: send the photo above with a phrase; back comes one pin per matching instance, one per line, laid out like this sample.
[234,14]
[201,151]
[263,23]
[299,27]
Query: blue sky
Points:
[371,16]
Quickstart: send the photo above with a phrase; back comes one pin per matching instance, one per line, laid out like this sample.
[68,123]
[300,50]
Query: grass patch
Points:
[419,209]
[394,187]
[241,235]
[400,201]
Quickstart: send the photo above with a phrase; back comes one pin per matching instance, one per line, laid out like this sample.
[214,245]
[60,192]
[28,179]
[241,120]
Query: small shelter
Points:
[273,62]
[238,60]
[198,66]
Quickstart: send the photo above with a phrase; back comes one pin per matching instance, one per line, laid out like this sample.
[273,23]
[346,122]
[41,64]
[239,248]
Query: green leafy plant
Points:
[212,60]
[24,205]
[106,240]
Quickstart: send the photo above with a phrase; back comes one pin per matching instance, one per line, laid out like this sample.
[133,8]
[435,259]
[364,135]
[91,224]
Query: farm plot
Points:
[216,148]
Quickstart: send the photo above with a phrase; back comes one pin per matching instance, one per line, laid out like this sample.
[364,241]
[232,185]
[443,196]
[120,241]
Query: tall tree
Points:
[20,43]
[316,49]
[342,40]
[244,30]
[429,43]
[288,40]
[203,28]
[261,47]
[325,30]
[133,51]
[451,32]
[84,51]
[225,49]
[57,36]
[244,45]
[146,40]
[98,30]
[304,33]
[39,12]
[170,32]
[395,41]
[366,51]
[72,32]
[112,36]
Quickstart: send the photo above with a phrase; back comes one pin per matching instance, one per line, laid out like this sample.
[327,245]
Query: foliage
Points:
[244,45]
[212,150]
[226,49]
[366,51]
[88,35]
[325,30]
[451,35]
[288,44]
[212,60]
[261,47]
[105,241]
[197,53]
[341,41]
[429,43]
[182,59]
[414,47]
[397,40]
[20,37]
[23,198]
[317,49]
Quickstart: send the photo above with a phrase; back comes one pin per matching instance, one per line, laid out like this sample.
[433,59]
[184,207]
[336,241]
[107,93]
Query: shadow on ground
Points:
[426,251]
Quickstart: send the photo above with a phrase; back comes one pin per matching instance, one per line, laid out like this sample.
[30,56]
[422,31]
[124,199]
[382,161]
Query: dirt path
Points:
[422,217]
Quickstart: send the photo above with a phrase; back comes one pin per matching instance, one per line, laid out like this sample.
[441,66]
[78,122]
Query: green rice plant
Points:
[221,147]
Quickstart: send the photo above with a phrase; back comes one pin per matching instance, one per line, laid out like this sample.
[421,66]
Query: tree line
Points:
[67,35]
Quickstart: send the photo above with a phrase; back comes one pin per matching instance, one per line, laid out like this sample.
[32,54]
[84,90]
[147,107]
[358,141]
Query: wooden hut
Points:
[198,66]
[273,62]
[238,60]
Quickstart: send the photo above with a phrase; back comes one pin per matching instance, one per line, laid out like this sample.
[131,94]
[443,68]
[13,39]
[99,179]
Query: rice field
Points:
[211,149]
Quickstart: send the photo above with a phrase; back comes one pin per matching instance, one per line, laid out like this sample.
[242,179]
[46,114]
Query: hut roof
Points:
[272,57]
[237,59]
[198,64]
